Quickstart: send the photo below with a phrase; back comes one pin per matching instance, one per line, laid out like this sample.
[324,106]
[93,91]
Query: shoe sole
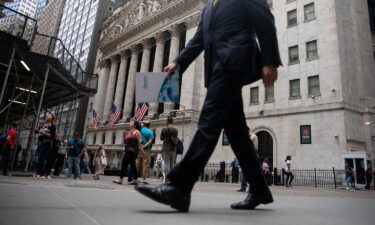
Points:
[253,208]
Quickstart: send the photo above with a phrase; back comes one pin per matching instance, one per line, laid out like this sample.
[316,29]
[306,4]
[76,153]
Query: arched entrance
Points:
[265,147]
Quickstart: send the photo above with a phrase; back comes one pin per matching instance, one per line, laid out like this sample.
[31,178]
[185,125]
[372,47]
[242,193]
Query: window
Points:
[294,89]
[314,86]
[270,3]
[270,96]
[310,12]
[293,55]
[113,138]
[311,50]
[254,95]
[103,138]
[292,18]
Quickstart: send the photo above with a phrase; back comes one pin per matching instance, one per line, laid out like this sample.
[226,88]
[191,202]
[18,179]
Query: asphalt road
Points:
[42,204]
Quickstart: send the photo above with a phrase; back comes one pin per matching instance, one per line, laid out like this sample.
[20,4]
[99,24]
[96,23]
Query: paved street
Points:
[63,201]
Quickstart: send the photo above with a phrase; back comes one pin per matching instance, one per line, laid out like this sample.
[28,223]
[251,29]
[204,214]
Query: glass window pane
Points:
[310,12]
[293,54]
[294,88]
[254,95]
[292,18]
[312,50]
[314,86]
[270,94]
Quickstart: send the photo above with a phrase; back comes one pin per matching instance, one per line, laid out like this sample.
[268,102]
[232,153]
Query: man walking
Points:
[169,136]
[144,155]
[9,147]
[75,149]
[227,33]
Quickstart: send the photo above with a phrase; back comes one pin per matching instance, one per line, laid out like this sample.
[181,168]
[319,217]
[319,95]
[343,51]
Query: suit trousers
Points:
[222,109]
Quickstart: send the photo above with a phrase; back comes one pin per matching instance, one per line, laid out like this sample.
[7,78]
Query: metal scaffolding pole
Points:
[7,74]
[22,121]
[32,132]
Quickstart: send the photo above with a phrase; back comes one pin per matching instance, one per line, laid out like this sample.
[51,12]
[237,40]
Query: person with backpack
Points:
[9,144]
[144,155]
[169,137]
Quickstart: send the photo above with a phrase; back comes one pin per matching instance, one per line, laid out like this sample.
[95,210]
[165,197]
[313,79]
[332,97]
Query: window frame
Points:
[266,92]
[251,95]
[289,55]
[288,19]
[308,58]
[291,89]
[304,12]
[309,86]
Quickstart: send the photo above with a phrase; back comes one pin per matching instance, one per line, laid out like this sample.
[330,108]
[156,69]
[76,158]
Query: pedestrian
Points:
[84,163]
[266,170]
[232,60]
[169,137]
[369,175]
[75,147]
[133,144]
[46,154]
[254,140]
[61,155]
[144,155]
[349,175]
[288,171]
[52,152]
[100,162]
[160,168]
[235,170]
[9,146]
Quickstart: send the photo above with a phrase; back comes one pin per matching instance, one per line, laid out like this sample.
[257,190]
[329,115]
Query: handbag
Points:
[103,159]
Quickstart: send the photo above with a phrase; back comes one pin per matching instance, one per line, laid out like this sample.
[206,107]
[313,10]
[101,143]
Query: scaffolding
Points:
[34,81]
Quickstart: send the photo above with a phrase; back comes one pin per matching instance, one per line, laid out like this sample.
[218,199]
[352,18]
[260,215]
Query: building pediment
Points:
[137,14]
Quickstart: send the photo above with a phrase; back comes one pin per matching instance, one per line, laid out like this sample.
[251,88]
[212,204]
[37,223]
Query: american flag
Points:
[115,115]
[95,119]
[141,112]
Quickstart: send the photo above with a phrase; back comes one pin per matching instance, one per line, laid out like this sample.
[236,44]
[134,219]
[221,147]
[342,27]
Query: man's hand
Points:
[171,68]
[269,75]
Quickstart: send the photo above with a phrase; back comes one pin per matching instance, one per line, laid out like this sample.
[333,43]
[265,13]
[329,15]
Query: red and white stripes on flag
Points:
[141,112]
[115,115]
[95,119]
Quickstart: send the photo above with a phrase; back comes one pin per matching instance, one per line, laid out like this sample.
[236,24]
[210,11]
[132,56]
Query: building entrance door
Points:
[265,147]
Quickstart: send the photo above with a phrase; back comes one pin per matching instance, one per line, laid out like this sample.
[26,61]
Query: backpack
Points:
[2,139]
[180,146]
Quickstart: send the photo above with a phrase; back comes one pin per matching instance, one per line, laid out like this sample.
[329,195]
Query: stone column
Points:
[111,87]
[120,88]
[130,87]
[102,86]
[175,31]
[146,55]
[158,64]
[190,86]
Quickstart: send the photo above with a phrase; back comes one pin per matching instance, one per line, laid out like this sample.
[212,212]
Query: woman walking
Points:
[133,141]
[288,171]
[100,162]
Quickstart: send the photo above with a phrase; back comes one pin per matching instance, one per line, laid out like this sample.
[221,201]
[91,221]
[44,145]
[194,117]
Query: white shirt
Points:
[286,165]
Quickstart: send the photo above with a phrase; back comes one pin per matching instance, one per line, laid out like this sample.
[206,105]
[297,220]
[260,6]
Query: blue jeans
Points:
[74,161]
[243,183]
[350,180]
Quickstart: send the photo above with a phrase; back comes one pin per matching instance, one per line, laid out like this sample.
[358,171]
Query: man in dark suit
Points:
[227,33]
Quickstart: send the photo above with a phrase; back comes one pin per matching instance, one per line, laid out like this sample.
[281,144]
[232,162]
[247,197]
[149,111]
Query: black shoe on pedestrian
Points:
[167,194]
[241,190]
[253,200]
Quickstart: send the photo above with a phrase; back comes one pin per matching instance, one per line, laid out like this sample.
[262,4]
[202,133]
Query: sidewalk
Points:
[105,182]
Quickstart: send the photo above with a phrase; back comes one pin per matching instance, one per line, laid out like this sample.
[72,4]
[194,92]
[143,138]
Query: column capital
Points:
[160,37]
[175,30]
[134,49]
[124,54]
[193,21]
[114,58]
[146,43]
[104,63]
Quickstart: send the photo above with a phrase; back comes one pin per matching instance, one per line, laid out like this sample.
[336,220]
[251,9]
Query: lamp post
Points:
[173,113]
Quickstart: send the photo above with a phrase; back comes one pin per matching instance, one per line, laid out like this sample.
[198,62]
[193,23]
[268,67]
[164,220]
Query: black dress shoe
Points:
[167,194]
[253,200]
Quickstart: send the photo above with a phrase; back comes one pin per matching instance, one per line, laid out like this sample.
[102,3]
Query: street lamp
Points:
[182,112]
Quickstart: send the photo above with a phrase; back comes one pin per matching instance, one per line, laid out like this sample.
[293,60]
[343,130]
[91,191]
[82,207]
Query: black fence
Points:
[328,178]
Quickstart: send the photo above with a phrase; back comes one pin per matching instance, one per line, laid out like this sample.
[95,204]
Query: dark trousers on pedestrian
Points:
[5,158]
[235,175]
[59,164]
[42,159]
[51,159]
[289,178]
[129,159]
[222,109]
[368,182]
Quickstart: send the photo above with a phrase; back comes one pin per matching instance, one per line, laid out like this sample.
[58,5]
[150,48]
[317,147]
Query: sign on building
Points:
[305,134]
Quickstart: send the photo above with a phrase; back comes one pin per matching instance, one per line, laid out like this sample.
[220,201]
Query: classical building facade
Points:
[315,112]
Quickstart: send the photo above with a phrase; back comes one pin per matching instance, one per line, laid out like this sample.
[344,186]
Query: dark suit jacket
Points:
[227,33]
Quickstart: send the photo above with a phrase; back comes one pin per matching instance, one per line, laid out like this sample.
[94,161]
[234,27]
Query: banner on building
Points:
[305,134]
[156,87]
